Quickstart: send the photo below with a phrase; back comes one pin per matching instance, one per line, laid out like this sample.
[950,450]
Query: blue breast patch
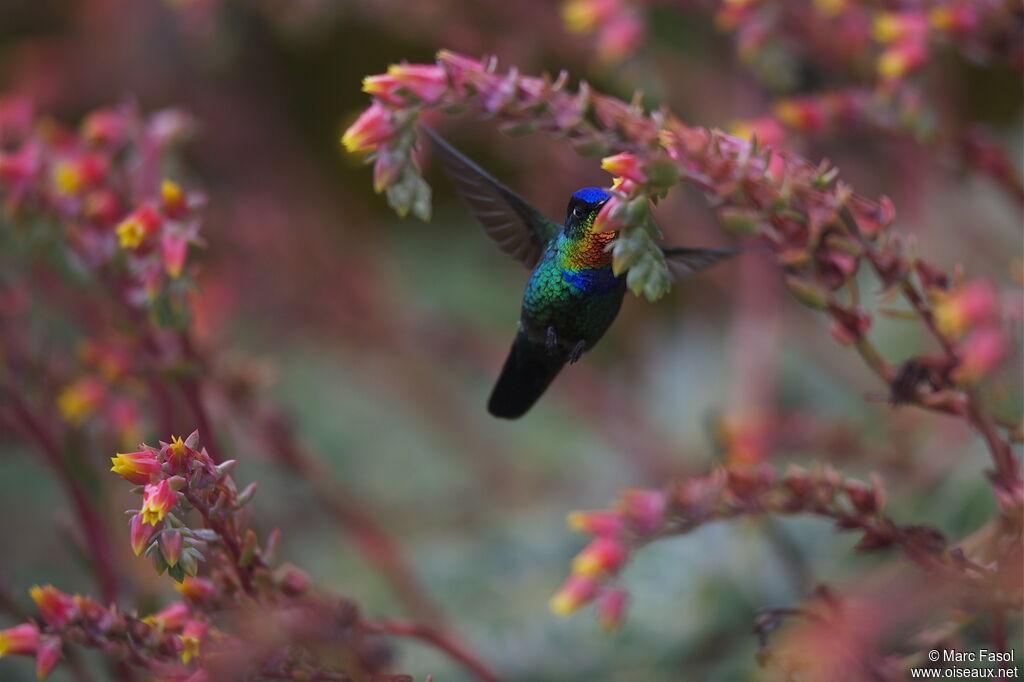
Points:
[592,280]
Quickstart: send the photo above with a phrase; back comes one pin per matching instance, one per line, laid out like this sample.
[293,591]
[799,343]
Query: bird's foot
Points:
[577,351]
[552,340]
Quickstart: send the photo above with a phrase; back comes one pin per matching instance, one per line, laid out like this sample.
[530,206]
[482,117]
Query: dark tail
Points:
[528,371]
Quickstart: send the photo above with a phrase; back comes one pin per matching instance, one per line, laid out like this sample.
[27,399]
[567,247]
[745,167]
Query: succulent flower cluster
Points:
[642,516]
[242,616]
[101,189]
[129,362]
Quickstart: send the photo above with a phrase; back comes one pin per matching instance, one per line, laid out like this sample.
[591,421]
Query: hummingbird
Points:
[572,296]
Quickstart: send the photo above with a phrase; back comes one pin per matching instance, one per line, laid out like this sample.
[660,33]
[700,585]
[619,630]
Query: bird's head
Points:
[584,206]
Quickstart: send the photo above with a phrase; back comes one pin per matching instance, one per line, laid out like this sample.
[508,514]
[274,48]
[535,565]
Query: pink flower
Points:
[172,199]
[601,557]
[370,129]
[170,546]
[171,618]
[157,501]
[47,655]
[984,349]
[178,454]
[426,81]
[576,591]
[603,522]
[643,508]
[196,590]
[173,250]
[140,534]
[20,640]
[136,467]
[902,58]
[192,636]
[103,127]
[134,229]
[624,165]
[971,305]
[57,608]
[611,607]
[603,221]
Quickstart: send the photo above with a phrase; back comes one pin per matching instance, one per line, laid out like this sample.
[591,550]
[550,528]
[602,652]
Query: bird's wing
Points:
[519,229]
[683,262]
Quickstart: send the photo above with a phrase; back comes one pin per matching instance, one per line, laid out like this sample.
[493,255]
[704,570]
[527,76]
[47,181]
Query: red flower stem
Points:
[425,633]
[1000,449]
[96,538]
[230,541]
[193,395]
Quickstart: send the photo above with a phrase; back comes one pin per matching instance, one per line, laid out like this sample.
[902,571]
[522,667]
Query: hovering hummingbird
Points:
[572,296]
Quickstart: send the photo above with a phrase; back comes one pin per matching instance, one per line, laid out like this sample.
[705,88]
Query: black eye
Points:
[577,212]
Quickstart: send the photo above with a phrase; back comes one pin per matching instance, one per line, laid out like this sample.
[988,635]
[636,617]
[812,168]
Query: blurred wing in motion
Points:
[516,227]
[683,262]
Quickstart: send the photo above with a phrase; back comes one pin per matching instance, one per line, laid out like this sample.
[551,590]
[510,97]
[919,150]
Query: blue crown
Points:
[591,195]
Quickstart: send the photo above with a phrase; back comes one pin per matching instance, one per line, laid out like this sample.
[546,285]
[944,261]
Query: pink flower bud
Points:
[170,546]
[902,58]
[806,114]
[157,501]
[136,467]
[611,607]
[427,81]
[56,608]
[170,618]
[604,222]
[134,229]
[980,354]
[601,557]
[47,655]
[196,590]
[21,640]
[891,27]
[102,205]
[370,129]
[103,127]
[80,399]
[973,304]
[140,534]
[173,250]
[192,636]
[625,165]
[173,202]
[576,591]
[605,522]
[644,509]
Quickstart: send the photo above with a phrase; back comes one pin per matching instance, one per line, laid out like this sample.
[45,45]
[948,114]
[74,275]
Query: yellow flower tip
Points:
[177,445]
[587,564]
[741,129]
[830,8]
[190,648]
[5,644]
[886,27]
[788,113]
[67,178]
[130,233]
[171,192]
[576,521]
[563,605]
[152,516]
[579,16]
[37,592]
